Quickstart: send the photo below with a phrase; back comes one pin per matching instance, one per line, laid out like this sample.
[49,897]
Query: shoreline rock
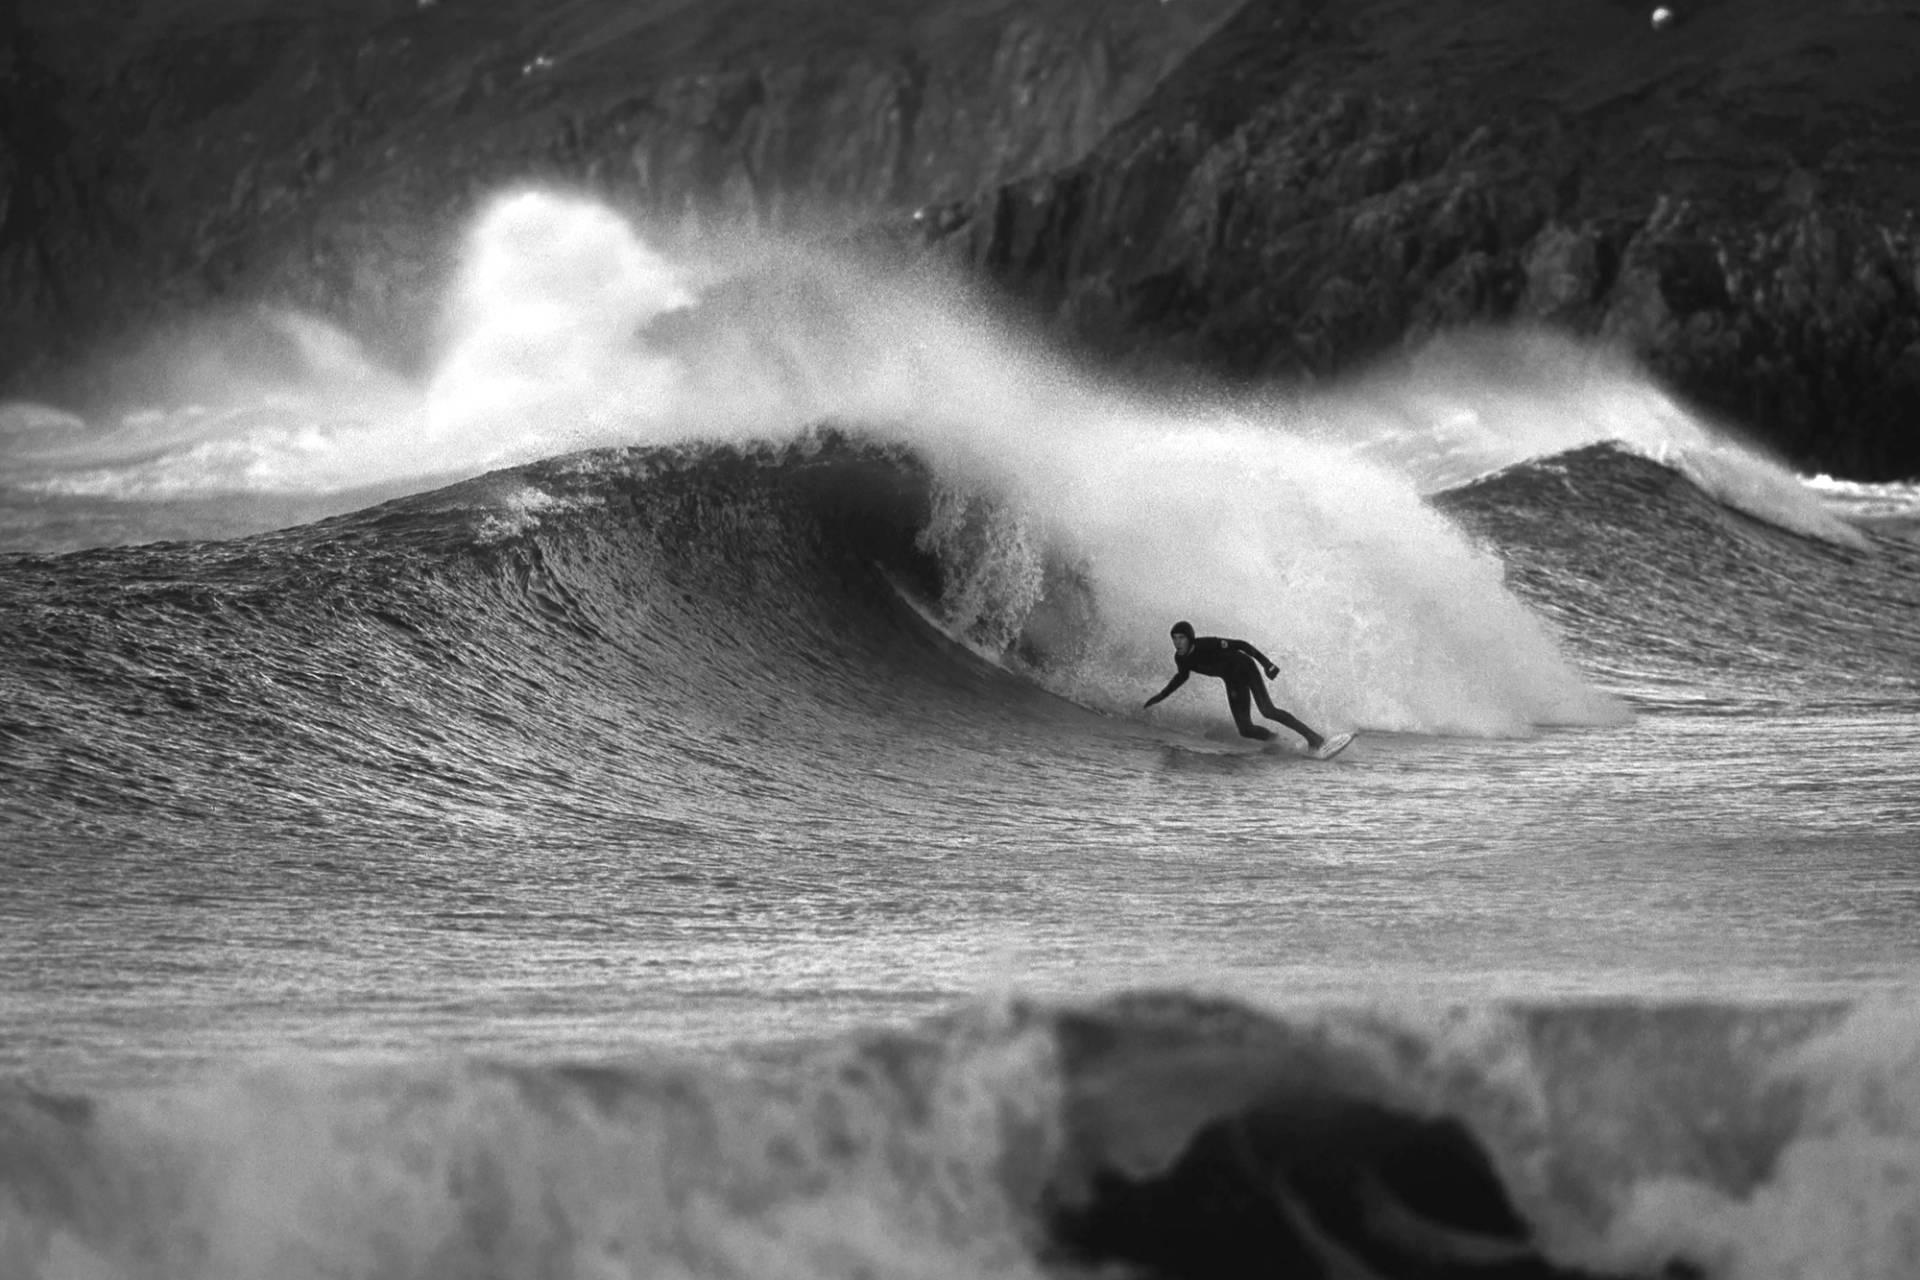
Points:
[1318,188]
[1271,189]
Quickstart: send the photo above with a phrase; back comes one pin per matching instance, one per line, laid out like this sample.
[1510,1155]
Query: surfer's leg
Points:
[1274,713]
[1237,703]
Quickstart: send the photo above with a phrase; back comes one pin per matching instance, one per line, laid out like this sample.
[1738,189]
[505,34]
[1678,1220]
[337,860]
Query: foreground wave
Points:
[1150,1135]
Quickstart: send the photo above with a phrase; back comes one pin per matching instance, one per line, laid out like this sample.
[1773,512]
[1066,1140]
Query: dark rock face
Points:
[165,156]
[1728,197]
[1261,188]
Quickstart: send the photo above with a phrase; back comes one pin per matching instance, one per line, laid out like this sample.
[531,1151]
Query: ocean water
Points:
[664,792]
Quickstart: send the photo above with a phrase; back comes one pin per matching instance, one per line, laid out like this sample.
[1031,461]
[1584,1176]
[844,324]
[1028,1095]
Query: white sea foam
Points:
[520,512]
[1893,500]
[370,1172]
[23,418]
[1838,1199]
[565,328]
[1474,403]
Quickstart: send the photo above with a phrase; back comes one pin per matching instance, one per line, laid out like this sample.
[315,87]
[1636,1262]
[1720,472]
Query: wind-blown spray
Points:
[1108,514]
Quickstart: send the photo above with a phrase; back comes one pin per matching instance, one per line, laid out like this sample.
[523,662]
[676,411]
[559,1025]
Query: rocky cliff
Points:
[1257,187]
[166,156]
[1730,195]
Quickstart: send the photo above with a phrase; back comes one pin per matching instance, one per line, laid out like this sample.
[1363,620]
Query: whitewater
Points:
[662,789]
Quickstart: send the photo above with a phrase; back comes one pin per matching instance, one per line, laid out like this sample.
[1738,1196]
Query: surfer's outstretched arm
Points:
[1178,680]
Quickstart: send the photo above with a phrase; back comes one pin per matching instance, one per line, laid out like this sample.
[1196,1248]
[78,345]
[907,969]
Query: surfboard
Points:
[1333,746]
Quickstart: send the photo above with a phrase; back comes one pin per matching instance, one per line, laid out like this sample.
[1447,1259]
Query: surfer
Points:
[1234,662]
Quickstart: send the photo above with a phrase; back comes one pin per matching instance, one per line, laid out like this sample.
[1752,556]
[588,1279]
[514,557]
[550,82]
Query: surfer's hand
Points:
[1273,672]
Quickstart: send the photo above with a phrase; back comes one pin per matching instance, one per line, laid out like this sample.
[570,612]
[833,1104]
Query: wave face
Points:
[524,643]
[651,599]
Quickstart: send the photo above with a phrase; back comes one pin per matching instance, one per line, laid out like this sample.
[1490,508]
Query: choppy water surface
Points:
[721,836]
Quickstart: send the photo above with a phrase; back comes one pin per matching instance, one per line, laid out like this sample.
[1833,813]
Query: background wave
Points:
[1664,589]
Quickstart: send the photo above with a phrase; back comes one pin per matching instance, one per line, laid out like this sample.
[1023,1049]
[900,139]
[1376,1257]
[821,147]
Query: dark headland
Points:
[1275,189]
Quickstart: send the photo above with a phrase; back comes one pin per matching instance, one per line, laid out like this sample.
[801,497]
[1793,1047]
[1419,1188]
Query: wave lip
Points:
[1473,403]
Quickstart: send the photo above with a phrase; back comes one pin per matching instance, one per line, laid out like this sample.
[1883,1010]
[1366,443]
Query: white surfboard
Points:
[1333,746]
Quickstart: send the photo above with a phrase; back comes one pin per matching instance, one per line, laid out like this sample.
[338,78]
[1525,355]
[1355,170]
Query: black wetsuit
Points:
[1234,661]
